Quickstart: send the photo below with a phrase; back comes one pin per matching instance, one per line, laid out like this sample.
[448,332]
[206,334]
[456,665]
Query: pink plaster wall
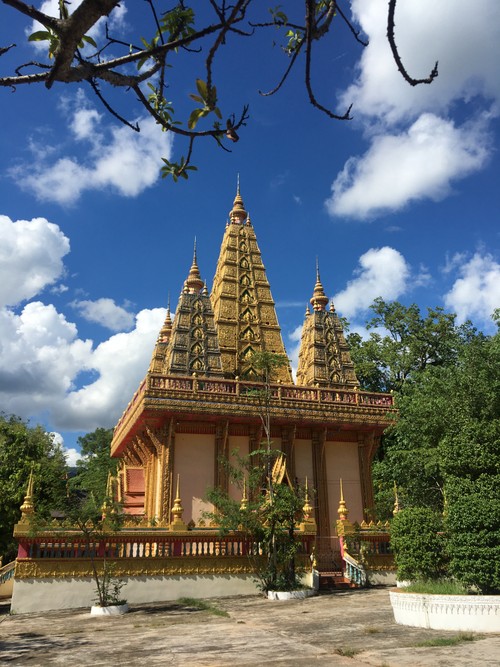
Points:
[194,461]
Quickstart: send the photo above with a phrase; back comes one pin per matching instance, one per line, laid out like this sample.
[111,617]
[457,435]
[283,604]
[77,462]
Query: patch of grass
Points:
[447,641]
[370,630]
[347,651]
[202,605]
[439,587]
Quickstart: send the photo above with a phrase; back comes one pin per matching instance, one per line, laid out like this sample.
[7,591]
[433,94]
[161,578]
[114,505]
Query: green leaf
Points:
[195,116]
[197,98]
[89,40]
[202,88]
[39,36]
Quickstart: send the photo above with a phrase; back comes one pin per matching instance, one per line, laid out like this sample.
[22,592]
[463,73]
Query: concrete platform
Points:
[347,628]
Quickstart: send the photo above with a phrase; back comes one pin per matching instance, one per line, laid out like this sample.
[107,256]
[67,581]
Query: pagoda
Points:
[197,402]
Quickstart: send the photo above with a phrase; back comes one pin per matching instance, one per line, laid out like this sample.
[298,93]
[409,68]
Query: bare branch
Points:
[33,13]
[109,108]
[285,75]
[395,53]
[309,40]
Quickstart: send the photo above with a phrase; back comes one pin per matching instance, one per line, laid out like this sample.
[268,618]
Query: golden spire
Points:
[319,299]
[342,510]
[238,213]
[28,507]
[166,329]
[396,500]
[244,499]
[307,509]
[177,510]
[194,283]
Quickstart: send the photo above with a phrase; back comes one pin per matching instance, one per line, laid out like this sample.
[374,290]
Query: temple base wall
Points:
[51,593]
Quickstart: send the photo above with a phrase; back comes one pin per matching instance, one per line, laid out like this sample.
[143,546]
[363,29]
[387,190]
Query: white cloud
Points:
[476,294]
[105,312]
[103,156]
[383,272]
[42,357]
[416,151]
[121,363]
[72,455]
[466,44]
[414,164]
[31,254]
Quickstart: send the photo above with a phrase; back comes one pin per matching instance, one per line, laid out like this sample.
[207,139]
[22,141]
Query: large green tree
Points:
[95,464]
[24,449]
[402,343]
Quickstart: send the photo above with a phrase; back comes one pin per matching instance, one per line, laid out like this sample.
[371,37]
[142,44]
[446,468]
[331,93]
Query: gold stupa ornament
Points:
[28,506]
[396,500]
[177,510]
[244,499]
[342,510]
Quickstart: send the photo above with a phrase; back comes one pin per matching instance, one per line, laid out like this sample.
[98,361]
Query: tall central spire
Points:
[194,283]
[238,214]
[244,310]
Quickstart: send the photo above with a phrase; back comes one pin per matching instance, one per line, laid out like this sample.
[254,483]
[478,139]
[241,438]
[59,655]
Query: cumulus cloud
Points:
[416,151]
[31,257]
[42,358]
[413,164]
[105,312]
[466,44]
[121,363]
[104,157]
[72,455]
[383,272]
[476,293]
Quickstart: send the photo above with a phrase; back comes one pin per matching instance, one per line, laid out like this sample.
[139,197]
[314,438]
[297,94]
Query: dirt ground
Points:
[346,628]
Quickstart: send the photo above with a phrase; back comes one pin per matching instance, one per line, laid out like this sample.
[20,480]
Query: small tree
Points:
[417,544]
[274,506]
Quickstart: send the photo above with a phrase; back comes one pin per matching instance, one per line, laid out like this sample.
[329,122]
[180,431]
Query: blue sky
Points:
[401,202]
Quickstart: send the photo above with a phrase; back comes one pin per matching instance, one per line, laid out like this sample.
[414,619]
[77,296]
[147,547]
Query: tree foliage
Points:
[24,449]
[140,64]
[402,343]
[418,544]
[95,465]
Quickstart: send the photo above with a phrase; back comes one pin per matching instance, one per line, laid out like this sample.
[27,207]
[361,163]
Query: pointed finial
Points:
[244,499]
[238,184]
[204,291]
[177,510]
[319,299]
[307,509]
[396,500]
[308,311]
[238,214]
[194,283]
[342,510]
[28,507]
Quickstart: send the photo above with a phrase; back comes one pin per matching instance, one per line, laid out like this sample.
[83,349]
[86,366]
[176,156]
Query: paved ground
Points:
[348,628]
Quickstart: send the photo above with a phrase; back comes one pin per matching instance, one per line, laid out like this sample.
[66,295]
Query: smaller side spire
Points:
[28,507]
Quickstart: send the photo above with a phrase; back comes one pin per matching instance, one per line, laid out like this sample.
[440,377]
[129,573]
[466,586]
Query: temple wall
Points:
[35,595]
[304,462]
[195,463]
[342,463]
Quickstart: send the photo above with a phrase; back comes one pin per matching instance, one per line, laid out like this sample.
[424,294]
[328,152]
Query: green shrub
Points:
[417,544]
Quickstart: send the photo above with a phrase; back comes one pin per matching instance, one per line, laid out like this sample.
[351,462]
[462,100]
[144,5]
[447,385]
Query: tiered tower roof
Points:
[193,345]
[244,310]
[324,357]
